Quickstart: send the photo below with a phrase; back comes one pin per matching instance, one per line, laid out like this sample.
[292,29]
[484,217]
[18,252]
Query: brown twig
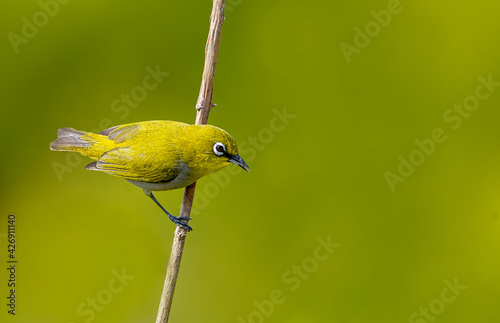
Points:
[203,107]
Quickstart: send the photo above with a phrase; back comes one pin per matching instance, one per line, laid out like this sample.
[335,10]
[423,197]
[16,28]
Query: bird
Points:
[155,155]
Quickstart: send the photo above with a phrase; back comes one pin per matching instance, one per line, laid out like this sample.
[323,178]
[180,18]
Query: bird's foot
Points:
[179,222]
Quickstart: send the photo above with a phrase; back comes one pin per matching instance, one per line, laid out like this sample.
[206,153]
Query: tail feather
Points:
[69,139]
[92,166]
[69,132]
[86,143]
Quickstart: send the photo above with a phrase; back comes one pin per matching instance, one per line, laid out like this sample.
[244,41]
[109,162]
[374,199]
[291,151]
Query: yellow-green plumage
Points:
[152,151]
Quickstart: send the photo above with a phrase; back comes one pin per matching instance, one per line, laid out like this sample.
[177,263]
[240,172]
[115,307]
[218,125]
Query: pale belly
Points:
[184,179]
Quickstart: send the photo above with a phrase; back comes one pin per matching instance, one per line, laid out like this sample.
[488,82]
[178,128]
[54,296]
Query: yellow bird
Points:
[155,155]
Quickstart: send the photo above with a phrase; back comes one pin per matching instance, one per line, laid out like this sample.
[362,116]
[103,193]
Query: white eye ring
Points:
[219,149]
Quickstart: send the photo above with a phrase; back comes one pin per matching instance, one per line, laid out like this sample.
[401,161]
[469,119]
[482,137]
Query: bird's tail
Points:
[86,143]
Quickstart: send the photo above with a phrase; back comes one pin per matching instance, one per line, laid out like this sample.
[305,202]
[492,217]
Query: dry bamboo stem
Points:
[203,107]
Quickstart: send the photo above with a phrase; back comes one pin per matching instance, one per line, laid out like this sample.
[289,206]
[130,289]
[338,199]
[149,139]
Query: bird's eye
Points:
[219,149]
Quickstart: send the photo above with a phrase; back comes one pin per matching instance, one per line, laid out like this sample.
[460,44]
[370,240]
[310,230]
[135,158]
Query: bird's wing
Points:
[127,163]
[140,155]
[125,132]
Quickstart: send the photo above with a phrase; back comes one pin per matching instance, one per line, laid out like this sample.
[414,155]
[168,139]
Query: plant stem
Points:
[203,107]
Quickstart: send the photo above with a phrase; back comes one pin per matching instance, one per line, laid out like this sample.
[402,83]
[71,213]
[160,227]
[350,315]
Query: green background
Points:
[320,176]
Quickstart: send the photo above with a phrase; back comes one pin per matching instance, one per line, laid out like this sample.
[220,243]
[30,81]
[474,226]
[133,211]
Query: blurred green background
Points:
[361,81]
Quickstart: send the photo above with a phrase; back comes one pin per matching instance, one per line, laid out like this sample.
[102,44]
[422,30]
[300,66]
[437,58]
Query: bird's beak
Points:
[237,160]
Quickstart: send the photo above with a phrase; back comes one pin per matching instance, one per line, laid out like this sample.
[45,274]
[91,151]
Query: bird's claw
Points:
[178,221]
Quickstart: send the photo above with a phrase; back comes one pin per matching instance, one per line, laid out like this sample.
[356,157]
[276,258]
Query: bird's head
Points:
[217,148]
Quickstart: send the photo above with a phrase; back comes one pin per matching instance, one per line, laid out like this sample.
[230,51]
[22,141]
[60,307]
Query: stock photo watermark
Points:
[11,263]
[120,106]
[250,149]
[87,310]
[31,26]
[292,278]
[454,118]
[139,93]
[438,305]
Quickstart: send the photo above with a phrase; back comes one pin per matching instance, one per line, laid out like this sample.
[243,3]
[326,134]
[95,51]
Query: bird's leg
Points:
[176,219]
